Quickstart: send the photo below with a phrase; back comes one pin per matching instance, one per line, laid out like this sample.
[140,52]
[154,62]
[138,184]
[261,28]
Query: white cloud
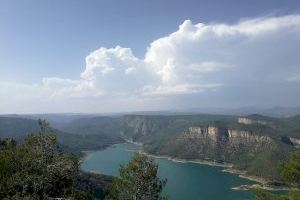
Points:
[208,67]
[249,58]
[105,61]
[293,79]
[67,88]
[116,71]
[177,89]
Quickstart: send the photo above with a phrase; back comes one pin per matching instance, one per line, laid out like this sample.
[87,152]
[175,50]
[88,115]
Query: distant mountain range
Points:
[275,111]
[255,143]
[61,119]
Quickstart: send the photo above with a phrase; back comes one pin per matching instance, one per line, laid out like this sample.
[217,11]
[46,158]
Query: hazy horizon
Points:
[276,111]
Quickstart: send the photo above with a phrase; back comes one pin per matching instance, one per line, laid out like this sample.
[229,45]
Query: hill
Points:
[254,143]
[15,127]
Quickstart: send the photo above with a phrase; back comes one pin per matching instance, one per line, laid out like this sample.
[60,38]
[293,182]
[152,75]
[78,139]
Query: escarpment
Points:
[295,141]
[291,141]
[229,135]
[222,143]
[139,125]
[136,127]
[254,143]
[245,120]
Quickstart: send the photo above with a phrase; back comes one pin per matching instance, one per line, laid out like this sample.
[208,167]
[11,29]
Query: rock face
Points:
[210,142]
[245,120]
[236,136]
[295,142]
[250,147]
[138,126]
[209,132]
[291,141]
[254,143]
[229,135]
[204,141]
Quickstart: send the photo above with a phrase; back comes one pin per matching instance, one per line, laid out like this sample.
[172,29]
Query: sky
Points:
[134,55]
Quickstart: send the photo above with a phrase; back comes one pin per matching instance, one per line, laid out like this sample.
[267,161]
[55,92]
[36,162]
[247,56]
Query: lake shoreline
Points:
[86,153]
[228,167]
[261,182]
[179,160]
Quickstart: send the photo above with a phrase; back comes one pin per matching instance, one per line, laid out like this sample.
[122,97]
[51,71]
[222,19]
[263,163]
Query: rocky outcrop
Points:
[295,141]
[229,135]
[291,141]
[211,142]
[200,132]
[235,136]
[245,120]
[139,126]
[211,132]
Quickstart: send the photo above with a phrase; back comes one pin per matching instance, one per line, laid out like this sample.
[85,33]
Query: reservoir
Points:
[186,181]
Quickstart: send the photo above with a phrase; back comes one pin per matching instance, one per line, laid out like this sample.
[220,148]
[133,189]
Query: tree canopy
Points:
[290,172]
[137,181]
[37,169]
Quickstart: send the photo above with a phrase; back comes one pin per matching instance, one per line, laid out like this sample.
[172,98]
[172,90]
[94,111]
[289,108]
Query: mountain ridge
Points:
[250,142]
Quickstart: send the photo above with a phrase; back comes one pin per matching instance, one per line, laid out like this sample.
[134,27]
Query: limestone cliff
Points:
[137,126]
[222,144]
[251,143]
[229,135]
[245,120]
[295,142]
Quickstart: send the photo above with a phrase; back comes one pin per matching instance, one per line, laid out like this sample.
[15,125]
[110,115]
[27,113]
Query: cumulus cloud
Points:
[117,71]
[293,79]
[236,63]
[177,89]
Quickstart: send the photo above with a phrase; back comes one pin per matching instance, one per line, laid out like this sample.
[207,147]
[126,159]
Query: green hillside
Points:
[18,128]
[254,143]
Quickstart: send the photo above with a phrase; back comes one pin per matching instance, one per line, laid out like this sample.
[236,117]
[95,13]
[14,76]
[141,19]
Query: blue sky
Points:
[52,39]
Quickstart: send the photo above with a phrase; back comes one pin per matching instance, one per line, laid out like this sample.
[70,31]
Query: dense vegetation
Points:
[290,172]
[95,184]
[257,158]
[137,181]
[19,128]
[161,134]
[36,169]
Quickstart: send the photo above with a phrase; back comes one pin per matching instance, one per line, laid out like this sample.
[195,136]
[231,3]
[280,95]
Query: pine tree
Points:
[36,169]
[137,181]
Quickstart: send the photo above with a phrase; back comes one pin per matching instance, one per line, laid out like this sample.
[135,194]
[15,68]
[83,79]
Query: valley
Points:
[253,144]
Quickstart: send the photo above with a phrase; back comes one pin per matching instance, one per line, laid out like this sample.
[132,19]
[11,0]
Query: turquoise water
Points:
[186,181]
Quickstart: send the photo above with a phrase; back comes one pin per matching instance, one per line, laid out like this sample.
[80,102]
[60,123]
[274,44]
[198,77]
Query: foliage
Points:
[37,169]
[262,195]
[95,184]
[290,172]
[160,135]
[137,181]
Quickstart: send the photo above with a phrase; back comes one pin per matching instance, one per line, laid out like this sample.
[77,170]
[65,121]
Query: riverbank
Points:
[264,187]
[85,153]
[243,174]
[185,181]
[135,143]
[179,160]
[261,182]
[228,168]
